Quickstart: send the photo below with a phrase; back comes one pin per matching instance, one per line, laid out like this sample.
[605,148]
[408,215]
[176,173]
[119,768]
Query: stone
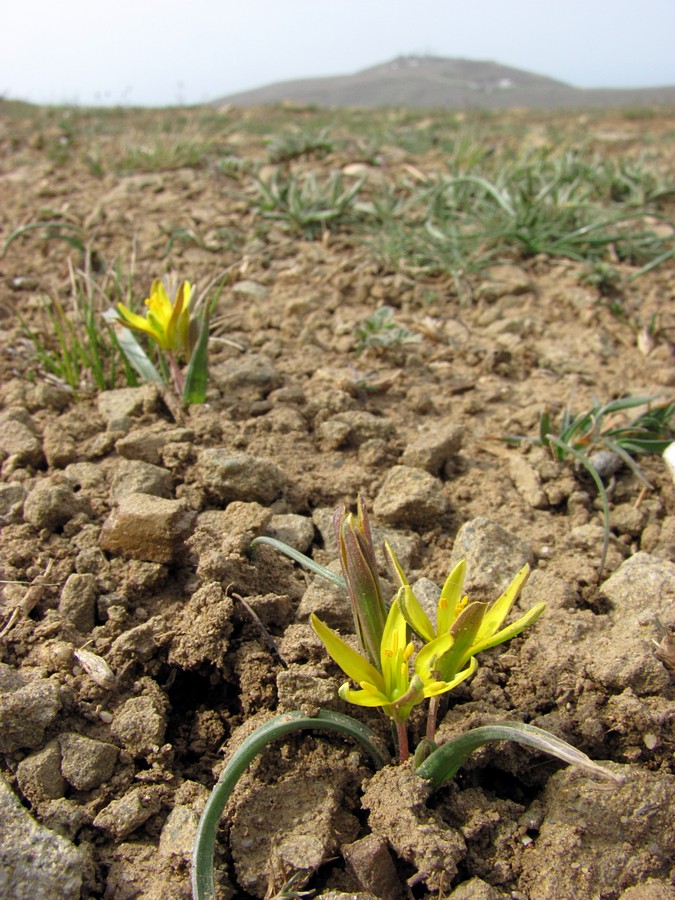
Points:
[59,446]
[121,817]
[147,528]
[118,406]
[39,775]
[527,482]
[493,556]
[134,476]
[12,497]
[435,447]
[140,725]
[50,505]
[86,763]
[34,861]
[296,531]
[78,600]
[410,497]
[226,475]
[354,427]
[373,867]
[26,712]
[147,444]
[19,440]
[253,372]
[642,588]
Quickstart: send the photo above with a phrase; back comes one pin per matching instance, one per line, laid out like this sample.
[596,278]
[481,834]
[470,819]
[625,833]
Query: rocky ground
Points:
[130,668]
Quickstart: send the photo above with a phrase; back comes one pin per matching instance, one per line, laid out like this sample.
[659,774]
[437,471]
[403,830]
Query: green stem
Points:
[203,887]
[299,557]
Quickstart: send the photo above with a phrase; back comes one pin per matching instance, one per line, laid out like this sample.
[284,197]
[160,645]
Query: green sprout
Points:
[577,435]
[380,331]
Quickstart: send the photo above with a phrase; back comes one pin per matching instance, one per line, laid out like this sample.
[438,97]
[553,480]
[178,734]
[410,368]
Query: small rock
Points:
[12,497]
[25,714]
[373,866]
[140,725]
[354,427]
[60,448]
[120,405]
[50,505]
[34,861]
[296,531]
[179,833]
[475,889]
[527,482]
[133,476]
[39,775]
[410,497]
[227,476]
[434,447]
[147,528]
[493,555]
[19,440]
[252,372]
[121,817]
[642,588]
[86,763]
[78,601]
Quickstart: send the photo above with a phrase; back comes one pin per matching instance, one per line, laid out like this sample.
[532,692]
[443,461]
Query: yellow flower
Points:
[474,626]
[165,322]
[392,688]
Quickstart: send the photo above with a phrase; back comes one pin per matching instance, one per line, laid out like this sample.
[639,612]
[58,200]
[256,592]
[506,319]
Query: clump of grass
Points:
[74,345]
[301,143]
[308,206]
[578,436]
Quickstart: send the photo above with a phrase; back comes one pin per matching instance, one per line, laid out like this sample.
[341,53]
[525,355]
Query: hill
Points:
[425,81]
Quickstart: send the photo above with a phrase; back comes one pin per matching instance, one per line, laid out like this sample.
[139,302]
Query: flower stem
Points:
[402,736]
[176,373]
[432,715]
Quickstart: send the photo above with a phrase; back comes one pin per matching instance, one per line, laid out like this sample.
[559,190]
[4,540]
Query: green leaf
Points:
[203,887]
[132,350]
[444,763]
[299,557]
[197,375]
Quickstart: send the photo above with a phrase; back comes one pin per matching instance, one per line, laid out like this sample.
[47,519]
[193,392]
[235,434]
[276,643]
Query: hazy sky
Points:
[160,52]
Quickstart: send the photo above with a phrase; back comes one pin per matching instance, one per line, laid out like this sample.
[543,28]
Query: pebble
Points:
[226,475]
[26,712]
[12,497]
[50,505]
[527,482]
[36,862]
[86,763]
[119,406]
[434,447]
[410,497]
[121,817]
[493,555]
[294,530]
[147,528]
[78,599]
[39,775]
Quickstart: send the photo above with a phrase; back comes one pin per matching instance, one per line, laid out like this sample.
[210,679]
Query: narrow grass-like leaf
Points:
[299,557]
[203,887]
[444,763]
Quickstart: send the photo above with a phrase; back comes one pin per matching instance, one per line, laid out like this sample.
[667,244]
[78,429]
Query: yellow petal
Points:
[362,697]
[351,662]
[450,597]
[136,322]
[414,614]
[510,631]
[499,610]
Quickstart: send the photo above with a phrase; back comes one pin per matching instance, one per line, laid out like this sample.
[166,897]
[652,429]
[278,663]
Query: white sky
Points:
[162,52]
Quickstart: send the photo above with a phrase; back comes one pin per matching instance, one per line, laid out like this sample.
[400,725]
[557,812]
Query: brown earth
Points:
[126,527]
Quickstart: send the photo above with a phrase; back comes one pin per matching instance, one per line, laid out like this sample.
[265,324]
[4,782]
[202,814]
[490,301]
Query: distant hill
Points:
[433,82]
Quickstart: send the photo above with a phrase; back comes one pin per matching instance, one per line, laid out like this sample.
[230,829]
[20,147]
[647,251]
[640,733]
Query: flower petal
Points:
[511,630]
[450,597]
[363,697]
[499,610]
[413,613]
[351,662]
